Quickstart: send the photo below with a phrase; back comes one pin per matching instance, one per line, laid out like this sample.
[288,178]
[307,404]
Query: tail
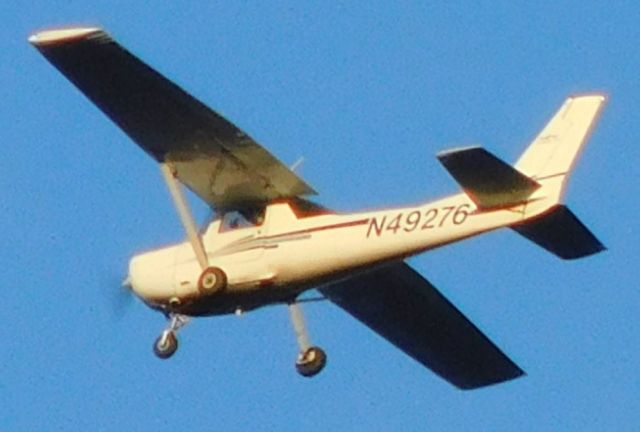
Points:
[537,182]
[551,156]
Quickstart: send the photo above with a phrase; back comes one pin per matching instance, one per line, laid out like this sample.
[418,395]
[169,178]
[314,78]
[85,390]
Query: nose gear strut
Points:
[167,343]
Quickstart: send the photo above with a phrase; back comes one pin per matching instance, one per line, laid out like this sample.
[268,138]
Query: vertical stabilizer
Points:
[549,159]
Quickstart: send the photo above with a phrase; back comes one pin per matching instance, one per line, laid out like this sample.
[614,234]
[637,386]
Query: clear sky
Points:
[368,94]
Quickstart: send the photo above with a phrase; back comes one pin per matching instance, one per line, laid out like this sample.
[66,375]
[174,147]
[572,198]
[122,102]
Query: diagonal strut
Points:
[175,189]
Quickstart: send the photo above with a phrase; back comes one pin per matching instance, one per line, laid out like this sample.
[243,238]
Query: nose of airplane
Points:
[151,276]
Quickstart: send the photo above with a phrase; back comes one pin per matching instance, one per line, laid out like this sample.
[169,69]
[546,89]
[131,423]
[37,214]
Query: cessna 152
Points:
[269,244]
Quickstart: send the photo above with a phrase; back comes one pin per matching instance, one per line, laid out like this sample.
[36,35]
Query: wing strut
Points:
[185,214]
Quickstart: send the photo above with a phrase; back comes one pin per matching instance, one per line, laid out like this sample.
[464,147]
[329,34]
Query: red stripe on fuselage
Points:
[320,228]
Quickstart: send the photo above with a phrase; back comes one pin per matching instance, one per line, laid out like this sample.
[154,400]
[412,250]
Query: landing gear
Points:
[311,359]
[167,343]
[311,362]
[211,281]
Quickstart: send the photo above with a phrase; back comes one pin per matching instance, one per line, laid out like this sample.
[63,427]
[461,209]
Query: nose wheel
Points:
[167,343]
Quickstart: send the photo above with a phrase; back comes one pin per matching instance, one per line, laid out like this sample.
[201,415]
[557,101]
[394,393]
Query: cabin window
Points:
[238,219]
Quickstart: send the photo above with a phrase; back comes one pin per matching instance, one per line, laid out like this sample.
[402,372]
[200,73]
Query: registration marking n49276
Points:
[418,220]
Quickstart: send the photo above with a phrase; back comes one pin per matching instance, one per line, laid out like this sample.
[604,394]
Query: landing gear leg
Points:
[311,359]
[167,343]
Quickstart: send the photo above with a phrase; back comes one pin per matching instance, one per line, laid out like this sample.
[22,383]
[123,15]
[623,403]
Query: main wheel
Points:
[311,362]
[166,345]
[211,281]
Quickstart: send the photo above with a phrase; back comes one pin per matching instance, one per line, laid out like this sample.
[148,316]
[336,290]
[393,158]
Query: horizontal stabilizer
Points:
[561,233]
[489,182]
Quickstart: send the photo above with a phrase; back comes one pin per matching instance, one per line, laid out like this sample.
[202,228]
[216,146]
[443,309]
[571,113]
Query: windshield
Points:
[238,219]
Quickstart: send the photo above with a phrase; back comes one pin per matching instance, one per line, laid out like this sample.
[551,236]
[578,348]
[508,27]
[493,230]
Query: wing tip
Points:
[61,35]
[504,376]
[601,96]
[444,154]
[597,99]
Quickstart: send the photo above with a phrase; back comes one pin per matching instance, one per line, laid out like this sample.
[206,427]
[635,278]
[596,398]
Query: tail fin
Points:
[549,159]
[537,181]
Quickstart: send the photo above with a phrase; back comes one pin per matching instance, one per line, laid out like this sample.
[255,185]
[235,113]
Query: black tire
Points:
[311,362]
[166,350]
[212,281]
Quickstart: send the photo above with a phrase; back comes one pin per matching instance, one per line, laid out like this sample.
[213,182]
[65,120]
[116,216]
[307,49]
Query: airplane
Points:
[269,242]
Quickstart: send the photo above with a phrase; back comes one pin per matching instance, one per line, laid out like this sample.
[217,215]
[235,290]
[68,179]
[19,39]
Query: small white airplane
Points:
[269,244]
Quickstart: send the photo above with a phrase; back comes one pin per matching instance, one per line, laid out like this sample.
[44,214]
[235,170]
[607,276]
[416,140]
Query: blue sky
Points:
[368,94]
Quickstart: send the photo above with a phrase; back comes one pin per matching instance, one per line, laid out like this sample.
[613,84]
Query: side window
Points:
[239,219]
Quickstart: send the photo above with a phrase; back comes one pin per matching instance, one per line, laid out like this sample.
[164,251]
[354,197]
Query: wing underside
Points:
[216,160]
[403,307]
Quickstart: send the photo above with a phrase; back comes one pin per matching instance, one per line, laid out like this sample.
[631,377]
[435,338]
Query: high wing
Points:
[216,160]
[403,307]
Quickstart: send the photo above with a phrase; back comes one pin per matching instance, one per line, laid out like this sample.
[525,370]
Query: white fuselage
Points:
[287,254]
